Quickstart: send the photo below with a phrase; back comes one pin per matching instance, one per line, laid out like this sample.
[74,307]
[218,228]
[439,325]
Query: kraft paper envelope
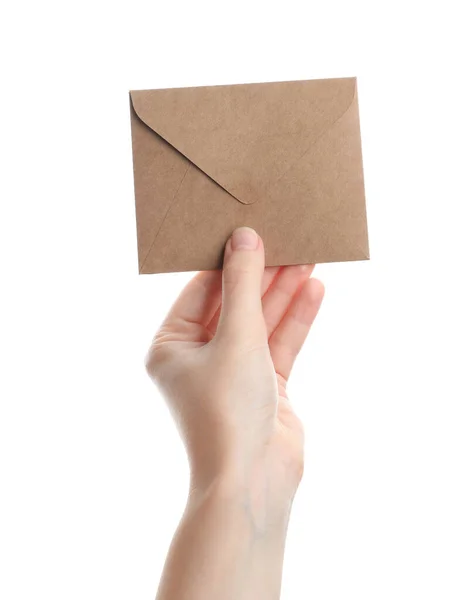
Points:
[283,158]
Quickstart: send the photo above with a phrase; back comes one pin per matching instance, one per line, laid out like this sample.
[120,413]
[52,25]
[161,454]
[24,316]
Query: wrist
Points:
[265,507]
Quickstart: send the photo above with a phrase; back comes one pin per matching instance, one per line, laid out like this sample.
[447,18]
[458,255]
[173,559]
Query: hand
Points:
[222,359]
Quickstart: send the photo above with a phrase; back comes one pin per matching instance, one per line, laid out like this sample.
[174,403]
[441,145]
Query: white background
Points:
[93,476]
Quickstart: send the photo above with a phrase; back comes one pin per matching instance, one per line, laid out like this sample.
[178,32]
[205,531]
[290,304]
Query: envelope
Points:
[283,157]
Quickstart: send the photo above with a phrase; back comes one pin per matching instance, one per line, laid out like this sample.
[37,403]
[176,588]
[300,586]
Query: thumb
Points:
[241,311]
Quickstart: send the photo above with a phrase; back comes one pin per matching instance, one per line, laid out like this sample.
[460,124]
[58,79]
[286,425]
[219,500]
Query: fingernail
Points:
[244,238]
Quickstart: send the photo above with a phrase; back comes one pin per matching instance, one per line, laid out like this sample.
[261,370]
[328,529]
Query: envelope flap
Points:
[245,136]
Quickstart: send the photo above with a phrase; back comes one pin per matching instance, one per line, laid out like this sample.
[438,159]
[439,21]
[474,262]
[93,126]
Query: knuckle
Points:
[299,467]
[154,359]
[150,362]
[240,266]
[235,273]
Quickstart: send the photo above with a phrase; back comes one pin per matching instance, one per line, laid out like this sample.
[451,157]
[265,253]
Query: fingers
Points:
[269,275]
[279,285]
[199,299]
[241,311]
[279,296]
[289,336]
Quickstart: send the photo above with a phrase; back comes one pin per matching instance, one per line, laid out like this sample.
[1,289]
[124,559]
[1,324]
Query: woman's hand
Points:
[222,359]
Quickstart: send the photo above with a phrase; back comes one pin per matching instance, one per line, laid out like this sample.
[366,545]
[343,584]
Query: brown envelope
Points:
[283,158]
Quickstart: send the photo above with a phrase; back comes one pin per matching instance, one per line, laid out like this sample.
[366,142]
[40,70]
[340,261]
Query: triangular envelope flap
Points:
[245,136]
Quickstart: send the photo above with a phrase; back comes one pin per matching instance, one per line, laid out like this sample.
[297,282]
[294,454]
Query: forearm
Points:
[218,553]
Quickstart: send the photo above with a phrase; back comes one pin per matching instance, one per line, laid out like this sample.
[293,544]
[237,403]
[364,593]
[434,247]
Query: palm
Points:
[290,302]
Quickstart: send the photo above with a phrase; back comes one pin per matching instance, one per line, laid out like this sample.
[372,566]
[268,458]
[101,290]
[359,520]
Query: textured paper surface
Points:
[284,158]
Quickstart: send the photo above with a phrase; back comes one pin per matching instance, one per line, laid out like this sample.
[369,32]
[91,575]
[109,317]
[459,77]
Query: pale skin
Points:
[222,359]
